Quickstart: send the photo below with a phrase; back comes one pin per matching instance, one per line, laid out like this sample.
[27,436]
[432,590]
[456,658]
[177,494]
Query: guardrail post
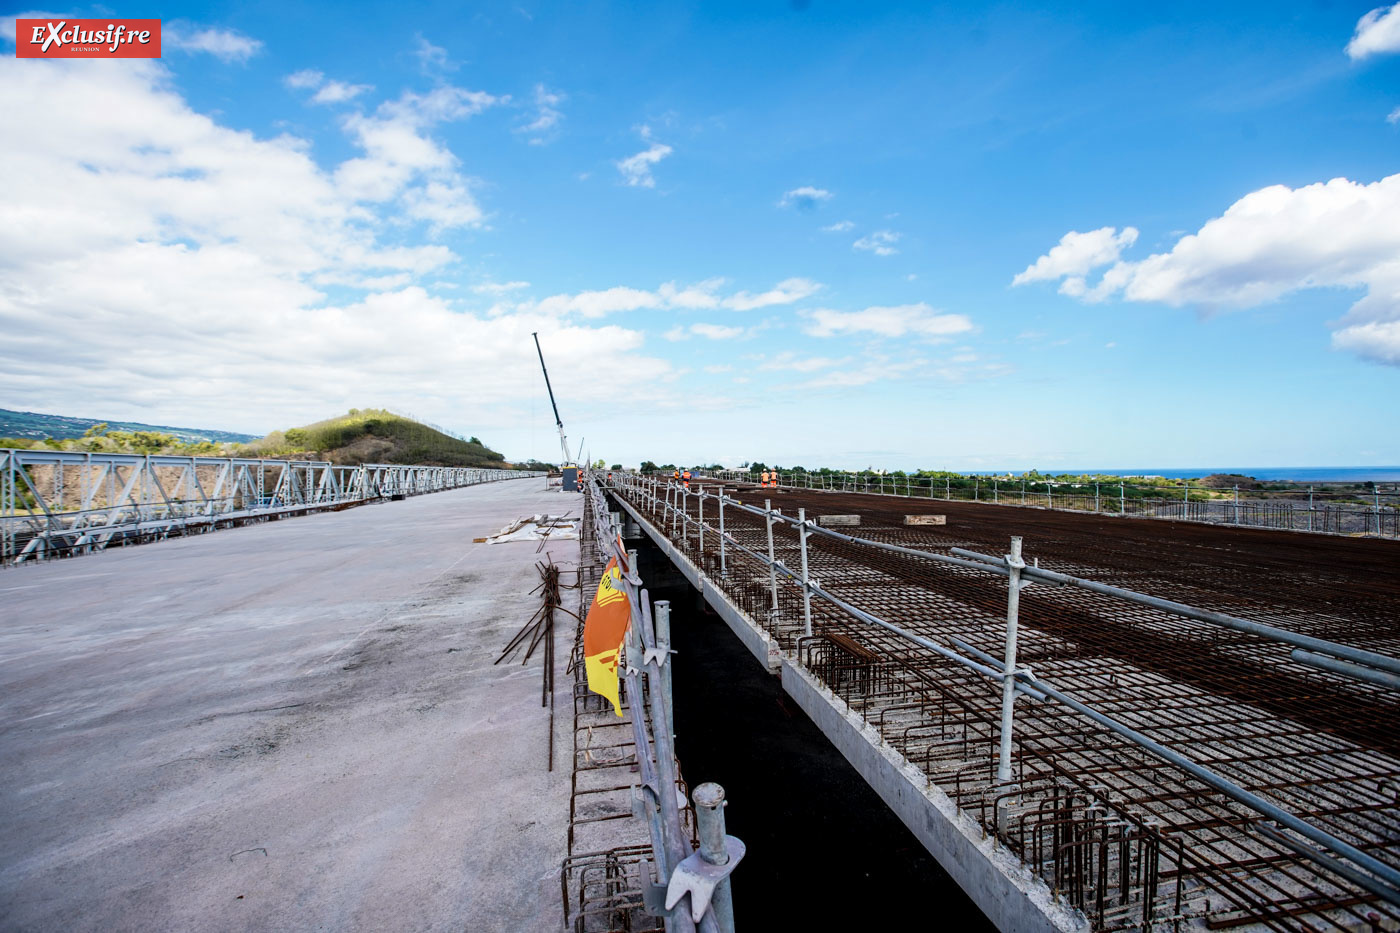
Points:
[723,566]
[1122,500]
[1310,508]
[806,581]
[1096,498]
[662,619]
[700,527]
[709,826]
[1008,682]
[772,564]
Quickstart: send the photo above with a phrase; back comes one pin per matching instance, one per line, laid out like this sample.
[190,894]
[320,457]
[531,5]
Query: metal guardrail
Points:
[691,888]
[671,500]
[1303,508]
[59,503]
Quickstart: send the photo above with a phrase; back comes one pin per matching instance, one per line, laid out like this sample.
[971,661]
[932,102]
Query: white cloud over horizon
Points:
[805,197]
[1269,243]
[160,261]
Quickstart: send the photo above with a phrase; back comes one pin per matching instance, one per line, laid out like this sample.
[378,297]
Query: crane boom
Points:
[558,422]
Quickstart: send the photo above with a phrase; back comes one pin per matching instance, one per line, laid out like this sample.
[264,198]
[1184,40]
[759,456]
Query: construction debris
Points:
[925,519]
[827,521]
[536,528]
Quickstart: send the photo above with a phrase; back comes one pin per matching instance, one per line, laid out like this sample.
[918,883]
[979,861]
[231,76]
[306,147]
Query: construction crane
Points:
[567,465]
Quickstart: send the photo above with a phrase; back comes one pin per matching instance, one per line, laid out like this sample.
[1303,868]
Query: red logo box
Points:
[87,38]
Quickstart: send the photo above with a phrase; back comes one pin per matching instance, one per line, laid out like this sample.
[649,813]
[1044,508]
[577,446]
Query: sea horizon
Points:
[1316,474]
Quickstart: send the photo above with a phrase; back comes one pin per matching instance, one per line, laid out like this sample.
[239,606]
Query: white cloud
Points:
[917,320]
[787,360]
[224,44]
[716,331]
[784,293]
[881,243]
[402,162]
[841,226]
[804,198]
[669,295]
[1393,117]
[335,92]
[177,270]
[1376,33]
[498,288]
[432,57]
[304,80]
[1272,242]
[1076,255]
[636,169]
[547,115]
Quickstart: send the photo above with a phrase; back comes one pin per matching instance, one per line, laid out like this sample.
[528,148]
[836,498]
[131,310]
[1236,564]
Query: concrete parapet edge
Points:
[1013,898]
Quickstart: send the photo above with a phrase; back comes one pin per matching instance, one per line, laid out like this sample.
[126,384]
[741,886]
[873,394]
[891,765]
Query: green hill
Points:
[35,426]
[369,435]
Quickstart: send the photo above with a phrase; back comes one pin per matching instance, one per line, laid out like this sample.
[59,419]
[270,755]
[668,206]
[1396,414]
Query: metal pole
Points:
[709,826]
[1237,505]
[723,567]
[1008,683]
[996,490]
[977,489]
[806,581]
[1096,497]
[1122,500]
[700,528]
[772,569]
[1310,508]
[662,617]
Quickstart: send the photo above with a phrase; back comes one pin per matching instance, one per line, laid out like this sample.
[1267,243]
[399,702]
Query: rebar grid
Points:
[1133,841]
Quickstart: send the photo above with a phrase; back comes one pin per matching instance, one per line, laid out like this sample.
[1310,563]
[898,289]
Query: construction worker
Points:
[675,474]
[685,479]
[763,479]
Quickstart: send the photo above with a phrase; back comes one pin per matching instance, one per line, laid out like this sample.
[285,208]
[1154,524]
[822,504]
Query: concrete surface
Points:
[290,726]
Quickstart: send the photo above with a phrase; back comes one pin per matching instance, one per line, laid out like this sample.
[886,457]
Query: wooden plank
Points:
[925,519]
[826,521]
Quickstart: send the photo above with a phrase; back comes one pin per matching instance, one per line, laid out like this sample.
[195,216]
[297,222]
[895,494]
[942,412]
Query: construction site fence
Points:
[62,503]
[1366,508]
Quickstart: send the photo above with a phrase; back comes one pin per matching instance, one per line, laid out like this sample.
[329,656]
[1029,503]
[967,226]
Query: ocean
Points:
[1379,474]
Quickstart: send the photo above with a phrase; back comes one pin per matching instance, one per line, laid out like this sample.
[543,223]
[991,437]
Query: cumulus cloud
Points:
[1376,33]
[1393,117]
[669,295]
[787,360]
[1076,255]
[1272,242]
[304,80]
[547,116]
[785,292]
[432,58]
[403,162]
[226,45]
[841,226]
[804,198]
[335,92]
[716,331]
[181,270]
[636,169]
[881,243]
[916,320]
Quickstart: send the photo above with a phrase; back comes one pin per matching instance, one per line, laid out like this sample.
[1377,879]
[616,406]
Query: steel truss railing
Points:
[645,672]
[671,502]
[1303,508]
[59,503]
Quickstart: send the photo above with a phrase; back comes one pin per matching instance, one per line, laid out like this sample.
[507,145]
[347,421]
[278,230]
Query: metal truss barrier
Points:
[703,874]
[1300,508]
[60,503]
[671,502]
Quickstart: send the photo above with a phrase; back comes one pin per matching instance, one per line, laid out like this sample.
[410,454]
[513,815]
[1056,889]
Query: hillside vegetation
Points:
[364,435]
[36,426]
[370,435]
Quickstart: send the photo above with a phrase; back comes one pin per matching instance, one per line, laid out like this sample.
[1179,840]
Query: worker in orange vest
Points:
[763,479]
[685,478]
[675,474]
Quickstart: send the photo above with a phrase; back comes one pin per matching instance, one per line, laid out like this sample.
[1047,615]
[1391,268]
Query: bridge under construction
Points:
[1199,730]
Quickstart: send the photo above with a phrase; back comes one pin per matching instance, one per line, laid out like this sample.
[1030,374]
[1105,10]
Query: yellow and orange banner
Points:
[603,630]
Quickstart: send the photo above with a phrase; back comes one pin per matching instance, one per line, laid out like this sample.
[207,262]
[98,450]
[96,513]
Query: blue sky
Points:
[850,234]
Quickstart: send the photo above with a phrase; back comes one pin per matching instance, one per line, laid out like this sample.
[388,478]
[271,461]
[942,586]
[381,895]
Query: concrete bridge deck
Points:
[294,726]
